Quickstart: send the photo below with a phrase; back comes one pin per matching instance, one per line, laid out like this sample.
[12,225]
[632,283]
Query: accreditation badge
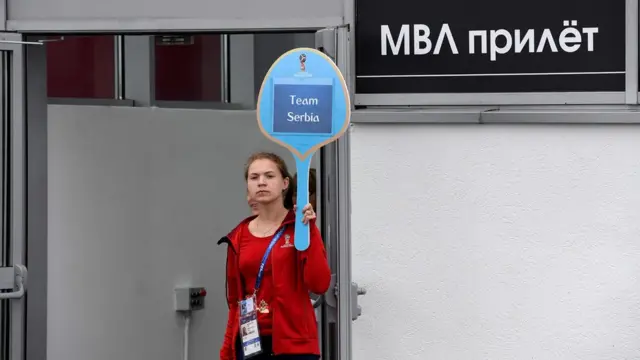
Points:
[249,332]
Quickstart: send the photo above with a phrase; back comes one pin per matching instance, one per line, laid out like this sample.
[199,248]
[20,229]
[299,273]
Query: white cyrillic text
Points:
[416,39]
[420,44]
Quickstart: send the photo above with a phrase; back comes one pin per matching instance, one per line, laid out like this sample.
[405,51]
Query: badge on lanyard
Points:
[249,331]
[249,327]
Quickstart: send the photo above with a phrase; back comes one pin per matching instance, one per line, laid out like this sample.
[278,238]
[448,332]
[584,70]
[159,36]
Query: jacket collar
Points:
[232,237]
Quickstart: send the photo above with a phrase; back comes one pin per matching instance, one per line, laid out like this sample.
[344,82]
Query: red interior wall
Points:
[81,67]
[189,72]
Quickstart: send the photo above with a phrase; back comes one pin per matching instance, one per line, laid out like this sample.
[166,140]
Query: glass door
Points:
[13,273]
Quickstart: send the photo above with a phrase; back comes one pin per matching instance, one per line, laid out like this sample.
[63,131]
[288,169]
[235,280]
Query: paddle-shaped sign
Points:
[303,105]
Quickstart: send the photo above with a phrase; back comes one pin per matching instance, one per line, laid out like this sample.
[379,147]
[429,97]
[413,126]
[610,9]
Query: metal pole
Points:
[119,67]
[631,61]
[344,215]
[225,94]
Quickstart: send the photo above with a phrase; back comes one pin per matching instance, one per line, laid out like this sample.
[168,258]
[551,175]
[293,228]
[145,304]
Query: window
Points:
[81,67]
[187,68]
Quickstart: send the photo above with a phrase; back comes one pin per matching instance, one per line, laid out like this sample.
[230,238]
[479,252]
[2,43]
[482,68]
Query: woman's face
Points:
[265,183]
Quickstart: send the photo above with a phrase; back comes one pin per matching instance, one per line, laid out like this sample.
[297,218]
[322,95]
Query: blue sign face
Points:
[302,109]
[303,105]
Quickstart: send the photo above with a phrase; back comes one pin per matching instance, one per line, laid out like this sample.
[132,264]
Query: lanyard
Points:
[275,239]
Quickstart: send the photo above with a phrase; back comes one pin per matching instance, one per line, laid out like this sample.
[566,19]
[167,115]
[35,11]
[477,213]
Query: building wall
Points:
[496,242]
[138,198]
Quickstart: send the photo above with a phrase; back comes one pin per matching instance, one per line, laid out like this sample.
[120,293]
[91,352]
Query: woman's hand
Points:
[307,213]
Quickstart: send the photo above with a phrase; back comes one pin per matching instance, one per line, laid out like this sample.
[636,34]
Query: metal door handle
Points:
[317,302]
[330,298]
[20,283]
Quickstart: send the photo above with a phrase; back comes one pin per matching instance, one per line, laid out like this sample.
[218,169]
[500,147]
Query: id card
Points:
[249,333]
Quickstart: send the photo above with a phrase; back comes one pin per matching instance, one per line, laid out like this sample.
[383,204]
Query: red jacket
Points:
[294,274]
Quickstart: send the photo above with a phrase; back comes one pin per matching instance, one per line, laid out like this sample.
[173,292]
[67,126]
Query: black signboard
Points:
[490,46]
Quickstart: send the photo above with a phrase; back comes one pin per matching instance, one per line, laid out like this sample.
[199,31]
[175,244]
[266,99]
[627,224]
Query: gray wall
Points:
[138,198]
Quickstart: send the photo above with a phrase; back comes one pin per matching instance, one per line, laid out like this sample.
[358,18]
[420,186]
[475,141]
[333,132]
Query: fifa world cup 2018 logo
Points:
[303,59]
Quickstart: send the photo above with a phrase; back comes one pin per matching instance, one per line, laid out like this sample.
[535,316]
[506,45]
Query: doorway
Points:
[139,192]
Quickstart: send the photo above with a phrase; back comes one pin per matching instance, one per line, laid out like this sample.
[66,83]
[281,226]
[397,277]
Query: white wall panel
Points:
[498,242]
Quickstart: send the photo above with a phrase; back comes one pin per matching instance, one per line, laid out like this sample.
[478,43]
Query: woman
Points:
[286,323]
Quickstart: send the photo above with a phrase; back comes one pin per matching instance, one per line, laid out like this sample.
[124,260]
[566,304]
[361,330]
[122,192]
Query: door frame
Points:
[35,107]
[336,215]
[27,193]
[343,150]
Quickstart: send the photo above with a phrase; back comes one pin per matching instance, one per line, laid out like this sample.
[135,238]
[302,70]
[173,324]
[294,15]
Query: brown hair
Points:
[312,181]
[282,167]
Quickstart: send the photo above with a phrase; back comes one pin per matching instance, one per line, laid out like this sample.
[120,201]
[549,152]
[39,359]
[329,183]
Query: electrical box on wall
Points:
[189,298]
